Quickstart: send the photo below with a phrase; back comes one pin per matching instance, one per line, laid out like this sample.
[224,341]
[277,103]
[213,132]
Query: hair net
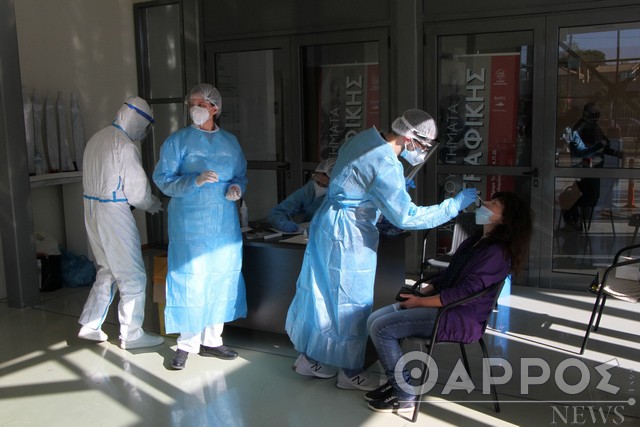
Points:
[209,93]
[326,166]
[416,124]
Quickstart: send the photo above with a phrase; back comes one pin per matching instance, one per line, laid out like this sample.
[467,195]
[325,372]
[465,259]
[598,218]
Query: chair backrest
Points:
[494,290]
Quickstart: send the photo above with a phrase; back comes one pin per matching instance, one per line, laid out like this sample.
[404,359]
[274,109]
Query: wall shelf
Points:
[59,178]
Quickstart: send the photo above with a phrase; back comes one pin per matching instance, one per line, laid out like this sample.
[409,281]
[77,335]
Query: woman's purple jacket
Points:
[486,267]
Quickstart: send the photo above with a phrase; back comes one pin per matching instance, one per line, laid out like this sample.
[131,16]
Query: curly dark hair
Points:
[514,231]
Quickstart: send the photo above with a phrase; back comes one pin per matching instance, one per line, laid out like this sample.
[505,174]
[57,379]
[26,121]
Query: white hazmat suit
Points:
[113,181]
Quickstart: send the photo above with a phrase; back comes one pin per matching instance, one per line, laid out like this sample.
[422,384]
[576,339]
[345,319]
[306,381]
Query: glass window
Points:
[592,221]
[249,83]
[485,88]
[341,95]
[164,50]
[599,96]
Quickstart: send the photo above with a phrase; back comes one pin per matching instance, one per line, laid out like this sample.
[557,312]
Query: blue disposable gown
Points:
[334,293]
[302,203]
[204,280]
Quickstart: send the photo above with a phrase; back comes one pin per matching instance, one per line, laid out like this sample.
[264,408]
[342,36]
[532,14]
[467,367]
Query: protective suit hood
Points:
[134,118]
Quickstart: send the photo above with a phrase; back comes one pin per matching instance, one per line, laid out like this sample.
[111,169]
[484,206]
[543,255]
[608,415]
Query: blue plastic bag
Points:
[77,270]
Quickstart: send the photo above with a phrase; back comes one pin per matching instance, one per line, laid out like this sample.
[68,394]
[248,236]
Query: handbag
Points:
[413,290]
[569,196]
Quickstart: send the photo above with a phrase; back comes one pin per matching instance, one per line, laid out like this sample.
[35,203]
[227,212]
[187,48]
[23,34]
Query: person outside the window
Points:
[113,182]
[588,143]
[203,170]
[334,293]
[480,261]
[304,202]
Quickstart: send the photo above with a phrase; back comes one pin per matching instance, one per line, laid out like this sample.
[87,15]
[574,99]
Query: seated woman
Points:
[480,261]
[304,202]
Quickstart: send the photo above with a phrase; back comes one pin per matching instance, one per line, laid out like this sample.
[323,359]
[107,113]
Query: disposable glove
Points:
[233,192]
[155,207]
[464,198]
[206,176]
[288,226]
[409,183]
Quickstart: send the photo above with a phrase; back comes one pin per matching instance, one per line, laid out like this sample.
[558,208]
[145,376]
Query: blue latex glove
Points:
[409,183]
[464,198]
[288,226]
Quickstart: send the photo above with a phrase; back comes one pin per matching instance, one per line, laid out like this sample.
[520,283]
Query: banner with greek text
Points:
[349,101]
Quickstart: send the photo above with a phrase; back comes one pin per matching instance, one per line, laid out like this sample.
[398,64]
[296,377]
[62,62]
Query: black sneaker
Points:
[392,404]
[381,392]
[179,359]
[221,352]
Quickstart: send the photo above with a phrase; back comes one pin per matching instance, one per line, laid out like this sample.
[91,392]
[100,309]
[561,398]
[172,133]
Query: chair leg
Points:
[416,409]
[494,392]
[593,316]
[604,299]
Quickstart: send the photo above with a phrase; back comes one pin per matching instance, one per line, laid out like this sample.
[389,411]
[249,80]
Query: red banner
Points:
[503,117]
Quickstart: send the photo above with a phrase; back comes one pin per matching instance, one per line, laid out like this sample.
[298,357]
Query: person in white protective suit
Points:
[304,202]
[114,181]
[203,170]
[327,318]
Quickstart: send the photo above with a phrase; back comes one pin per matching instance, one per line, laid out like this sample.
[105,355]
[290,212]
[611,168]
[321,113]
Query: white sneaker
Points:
[146,340]
[303,366]
[86,333]
[365,380]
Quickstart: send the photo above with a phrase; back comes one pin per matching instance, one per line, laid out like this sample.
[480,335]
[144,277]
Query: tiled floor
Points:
[50,378]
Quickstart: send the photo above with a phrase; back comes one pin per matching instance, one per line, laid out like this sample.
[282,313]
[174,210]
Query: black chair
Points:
[614,281]
[430,343]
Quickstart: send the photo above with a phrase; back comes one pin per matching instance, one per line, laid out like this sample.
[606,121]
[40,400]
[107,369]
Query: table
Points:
[270,269]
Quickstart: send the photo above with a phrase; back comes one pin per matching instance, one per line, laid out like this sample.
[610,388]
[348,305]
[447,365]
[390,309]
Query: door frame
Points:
[554,23]
[539,160]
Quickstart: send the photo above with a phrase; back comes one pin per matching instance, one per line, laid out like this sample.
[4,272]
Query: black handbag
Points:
[413,290]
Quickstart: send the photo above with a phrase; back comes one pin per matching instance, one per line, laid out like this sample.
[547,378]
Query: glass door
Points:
[253,79]
[597,134]
[483,94]
[343,88]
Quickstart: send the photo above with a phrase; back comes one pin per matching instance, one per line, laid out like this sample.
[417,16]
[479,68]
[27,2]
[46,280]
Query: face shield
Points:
[419,128]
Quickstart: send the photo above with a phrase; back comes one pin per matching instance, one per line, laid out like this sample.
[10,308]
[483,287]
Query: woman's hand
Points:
[206,176]
[411,301]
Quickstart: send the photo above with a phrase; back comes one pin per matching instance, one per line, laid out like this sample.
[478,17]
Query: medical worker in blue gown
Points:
[203,170]
[113,181]
[303,203]
[334,295]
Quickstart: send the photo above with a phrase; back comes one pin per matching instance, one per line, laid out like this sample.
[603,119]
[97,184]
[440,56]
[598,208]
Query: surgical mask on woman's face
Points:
[415,156]
[483,215]
[199,115]
[320,191]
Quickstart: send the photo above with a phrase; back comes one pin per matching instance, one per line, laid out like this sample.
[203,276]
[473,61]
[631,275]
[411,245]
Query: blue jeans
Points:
[388,325]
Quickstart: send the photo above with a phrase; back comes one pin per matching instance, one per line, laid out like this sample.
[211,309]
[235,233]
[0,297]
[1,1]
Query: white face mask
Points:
[483,215]
[199,115]
[320,191]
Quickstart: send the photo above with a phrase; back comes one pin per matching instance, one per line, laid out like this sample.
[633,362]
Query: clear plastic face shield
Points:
[149,125]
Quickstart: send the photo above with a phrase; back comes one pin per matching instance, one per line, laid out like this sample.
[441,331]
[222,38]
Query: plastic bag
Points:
[77,270]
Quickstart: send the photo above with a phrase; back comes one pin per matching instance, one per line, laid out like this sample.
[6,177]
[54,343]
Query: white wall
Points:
[81,46]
